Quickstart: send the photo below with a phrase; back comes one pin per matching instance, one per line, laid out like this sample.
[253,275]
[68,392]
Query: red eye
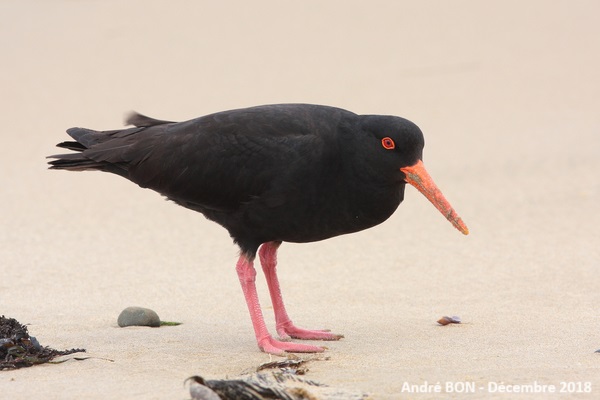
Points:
[388,143]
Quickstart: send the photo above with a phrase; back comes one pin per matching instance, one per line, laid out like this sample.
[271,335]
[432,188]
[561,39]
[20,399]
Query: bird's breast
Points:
[322,214]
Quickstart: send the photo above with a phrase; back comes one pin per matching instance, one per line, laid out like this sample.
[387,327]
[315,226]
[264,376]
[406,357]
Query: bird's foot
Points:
[279,348]
[288,330]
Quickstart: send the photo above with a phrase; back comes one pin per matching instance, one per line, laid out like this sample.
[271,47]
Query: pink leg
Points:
[266,343]
[285,327]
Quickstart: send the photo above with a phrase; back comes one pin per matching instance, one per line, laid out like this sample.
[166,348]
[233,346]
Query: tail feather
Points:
[74,164]
[101,150]
[86,139]
[75,146]
[79,162]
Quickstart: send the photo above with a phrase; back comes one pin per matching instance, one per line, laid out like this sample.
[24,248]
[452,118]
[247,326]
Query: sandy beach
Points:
[508,97]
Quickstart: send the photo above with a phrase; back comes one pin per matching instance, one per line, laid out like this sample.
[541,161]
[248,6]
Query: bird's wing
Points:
[227,159]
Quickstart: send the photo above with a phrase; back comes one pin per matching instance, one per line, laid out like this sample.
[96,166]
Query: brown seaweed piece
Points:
[18,349]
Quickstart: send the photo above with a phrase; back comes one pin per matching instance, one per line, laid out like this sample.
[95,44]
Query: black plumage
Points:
[292,173]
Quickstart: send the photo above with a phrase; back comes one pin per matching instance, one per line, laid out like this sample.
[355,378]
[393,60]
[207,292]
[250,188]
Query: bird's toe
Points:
[280,348]
[289,330]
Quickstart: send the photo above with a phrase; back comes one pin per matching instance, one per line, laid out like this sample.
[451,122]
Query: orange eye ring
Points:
[388,143]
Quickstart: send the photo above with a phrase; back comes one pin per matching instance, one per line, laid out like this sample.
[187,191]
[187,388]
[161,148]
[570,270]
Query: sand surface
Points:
[507,94]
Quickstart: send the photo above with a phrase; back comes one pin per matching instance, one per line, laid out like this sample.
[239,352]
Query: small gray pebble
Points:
[138,316]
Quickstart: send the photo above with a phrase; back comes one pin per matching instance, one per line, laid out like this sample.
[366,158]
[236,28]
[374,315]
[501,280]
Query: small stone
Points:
[138,316]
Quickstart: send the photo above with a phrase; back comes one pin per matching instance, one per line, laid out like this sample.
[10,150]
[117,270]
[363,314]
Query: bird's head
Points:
[398,143]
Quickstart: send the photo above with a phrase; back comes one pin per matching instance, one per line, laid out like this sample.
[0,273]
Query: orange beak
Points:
[418,176]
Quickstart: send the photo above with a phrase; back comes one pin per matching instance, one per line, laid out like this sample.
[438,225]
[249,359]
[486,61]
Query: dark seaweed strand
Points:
[18,349]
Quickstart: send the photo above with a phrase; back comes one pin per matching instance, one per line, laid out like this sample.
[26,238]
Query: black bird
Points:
[269,174]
